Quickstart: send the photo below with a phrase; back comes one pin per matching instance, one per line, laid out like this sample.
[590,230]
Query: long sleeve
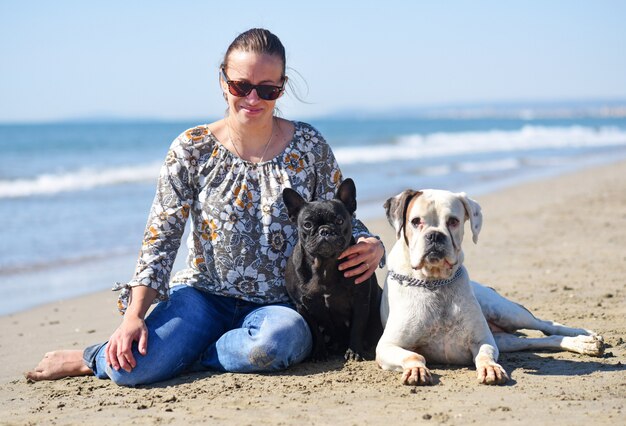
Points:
[166,222]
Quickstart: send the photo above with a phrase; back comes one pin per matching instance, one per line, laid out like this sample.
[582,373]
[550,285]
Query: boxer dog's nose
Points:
[435,237]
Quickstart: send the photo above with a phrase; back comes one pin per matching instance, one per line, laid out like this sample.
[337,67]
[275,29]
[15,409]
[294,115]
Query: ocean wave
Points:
[417,146]
[455,145]
[87,178]
[510,163]
[490,165]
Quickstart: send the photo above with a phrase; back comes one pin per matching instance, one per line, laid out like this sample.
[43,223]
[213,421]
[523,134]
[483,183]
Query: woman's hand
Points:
[119,352]
[362,259]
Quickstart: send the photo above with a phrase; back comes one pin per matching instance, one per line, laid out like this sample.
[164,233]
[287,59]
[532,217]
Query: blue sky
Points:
[158,59]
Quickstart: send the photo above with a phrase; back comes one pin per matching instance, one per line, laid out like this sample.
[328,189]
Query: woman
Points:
[229,310]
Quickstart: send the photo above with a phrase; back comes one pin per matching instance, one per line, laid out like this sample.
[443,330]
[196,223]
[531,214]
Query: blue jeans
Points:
[195,331]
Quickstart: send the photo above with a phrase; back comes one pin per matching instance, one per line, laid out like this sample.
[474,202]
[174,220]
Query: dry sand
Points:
[556,246]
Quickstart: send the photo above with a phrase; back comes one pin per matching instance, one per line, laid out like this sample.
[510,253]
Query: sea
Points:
[74,196]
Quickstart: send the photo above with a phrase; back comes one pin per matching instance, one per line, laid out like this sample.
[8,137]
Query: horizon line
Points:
[522,109]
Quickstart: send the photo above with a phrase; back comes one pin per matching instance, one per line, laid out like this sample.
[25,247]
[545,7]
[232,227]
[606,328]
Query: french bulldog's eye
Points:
[339,221]
[453,222]
[307,225]
[416,221]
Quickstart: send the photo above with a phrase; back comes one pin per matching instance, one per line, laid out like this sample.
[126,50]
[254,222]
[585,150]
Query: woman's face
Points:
[253,68]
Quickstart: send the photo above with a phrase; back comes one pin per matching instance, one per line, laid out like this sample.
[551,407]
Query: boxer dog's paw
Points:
[588,345]
[416,376]
[491,374]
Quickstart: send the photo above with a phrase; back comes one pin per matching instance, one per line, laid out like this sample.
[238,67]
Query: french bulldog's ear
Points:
[346,193]
[395,208]
[294,203]
[473,213]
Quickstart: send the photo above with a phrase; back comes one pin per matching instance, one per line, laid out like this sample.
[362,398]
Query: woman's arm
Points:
[166,223]
[164,229]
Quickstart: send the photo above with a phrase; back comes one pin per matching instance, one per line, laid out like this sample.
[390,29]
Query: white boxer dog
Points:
[430,309]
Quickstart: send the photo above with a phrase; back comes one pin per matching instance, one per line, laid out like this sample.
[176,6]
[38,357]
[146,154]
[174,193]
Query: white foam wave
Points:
[86,178]
[445,144]
[494,165]
[434,170]
[470,167]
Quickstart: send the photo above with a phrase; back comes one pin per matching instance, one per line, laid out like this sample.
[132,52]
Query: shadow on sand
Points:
[533,363]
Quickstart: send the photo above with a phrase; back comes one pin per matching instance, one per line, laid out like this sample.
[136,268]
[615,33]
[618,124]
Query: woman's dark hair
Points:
[257,40]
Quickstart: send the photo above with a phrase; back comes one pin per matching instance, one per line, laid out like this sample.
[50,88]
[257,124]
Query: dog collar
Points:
[405,280]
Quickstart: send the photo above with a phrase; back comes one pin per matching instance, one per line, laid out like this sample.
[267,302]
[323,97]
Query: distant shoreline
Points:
[529,110]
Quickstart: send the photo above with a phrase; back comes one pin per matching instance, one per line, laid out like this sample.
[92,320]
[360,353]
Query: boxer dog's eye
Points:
[416,222]
[307,225]
[453,222]
[339,221]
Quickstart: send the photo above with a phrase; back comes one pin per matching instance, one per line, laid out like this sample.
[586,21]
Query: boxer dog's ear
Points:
[395,208]
[294,203]
[346,193]
[473,213]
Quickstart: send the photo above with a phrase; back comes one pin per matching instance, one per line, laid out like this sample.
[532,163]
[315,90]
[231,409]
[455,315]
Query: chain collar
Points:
[407,281]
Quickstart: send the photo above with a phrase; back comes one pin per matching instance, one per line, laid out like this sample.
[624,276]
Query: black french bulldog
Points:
[343,317]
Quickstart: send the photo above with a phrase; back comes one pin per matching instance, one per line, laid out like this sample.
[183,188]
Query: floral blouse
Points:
[241,235]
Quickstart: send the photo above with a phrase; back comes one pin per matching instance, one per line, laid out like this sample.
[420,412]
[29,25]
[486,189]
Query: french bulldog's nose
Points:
[325,231]
[435,237]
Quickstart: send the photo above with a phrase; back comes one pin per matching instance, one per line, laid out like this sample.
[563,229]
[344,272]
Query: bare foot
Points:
[59,364]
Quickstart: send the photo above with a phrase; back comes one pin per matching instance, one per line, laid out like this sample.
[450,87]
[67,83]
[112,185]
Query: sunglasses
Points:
[241,89]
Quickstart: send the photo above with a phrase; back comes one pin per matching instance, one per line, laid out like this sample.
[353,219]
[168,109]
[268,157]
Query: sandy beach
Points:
[556,246]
